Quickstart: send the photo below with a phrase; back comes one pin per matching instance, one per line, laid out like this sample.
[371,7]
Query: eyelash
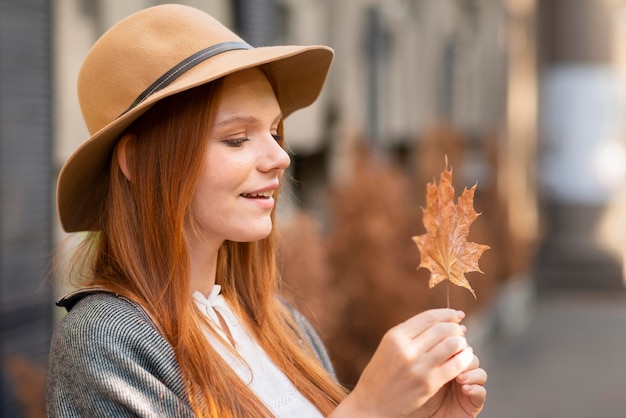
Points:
[234,143]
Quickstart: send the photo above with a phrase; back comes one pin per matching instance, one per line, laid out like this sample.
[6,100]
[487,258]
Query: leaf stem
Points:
[448,295]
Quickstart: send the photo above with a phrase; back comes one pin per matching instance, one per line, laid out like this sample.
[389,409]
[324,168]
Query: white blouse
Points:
[261,375]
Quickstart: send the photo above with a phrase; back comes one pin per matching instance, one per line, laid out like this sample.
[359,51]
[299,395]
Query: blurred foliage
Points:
[26,381]
[361,278]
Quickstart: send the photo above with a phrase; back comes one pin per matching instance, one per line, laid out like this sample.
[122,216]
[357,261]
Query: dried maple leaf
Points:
[444,248]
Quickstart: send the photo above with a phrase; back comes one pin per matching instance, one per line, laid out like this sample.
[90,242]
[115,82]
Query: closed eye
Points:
[234,143]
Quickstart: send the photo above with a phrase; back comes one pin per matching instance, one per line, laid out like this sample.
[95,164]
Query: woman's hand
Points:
[464,397]
[410,370]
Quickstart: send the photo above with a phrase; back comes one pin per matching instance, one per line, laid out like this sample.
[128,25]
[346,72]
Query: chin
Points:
[255,234]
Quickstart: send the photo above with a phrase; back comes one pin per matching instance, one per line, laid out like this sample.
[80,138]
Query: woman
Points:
[178,314]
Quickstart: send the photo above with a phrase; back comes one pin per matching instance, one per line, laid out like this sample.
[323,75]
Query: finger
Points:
[439,332]
[445,351]
[456,364]
[473,377]
[477,394]
[419,323]
[474,364]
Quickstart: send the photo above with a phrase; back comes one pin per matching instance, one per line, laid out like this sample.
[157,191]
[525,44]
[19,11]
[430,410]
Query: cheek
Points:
[224,174]
[220,178]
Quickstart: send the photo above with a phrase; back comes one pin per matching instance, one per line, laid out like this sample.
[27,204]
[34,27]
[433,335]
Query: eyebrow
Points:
[242,119]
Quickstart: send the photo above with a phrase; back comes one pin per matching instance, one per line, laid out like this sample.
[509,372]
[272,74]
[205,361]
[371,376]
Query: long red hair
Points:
[140,251]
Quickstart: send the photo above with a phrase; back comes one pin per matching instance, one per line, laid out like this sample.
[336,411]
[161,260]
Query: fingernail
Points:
[460,314]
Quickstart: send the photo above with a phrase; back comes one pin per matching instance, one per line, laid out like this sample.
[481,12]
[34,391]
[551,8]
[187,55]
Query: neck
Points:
[203,268]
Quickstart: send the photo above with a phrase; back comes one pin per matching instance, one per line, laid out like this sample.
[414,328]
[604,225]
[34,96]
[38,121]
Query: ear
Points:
[122,156]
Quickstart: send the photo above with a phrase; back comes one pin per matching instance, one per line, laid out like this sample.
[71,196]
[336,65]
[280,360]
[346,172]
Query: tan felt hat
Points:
[153,54]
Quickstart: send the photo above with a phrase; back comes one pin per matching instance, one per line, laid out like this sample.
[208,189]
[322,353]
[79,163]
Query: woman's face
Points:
[243,164]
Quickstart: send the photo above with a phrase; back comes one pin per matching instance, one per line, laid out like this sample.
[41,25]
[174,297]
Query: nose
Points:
[274,156]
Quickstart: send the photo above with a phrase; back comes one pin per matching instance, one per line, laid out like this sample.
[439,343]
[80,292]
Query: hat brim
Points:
[298,74]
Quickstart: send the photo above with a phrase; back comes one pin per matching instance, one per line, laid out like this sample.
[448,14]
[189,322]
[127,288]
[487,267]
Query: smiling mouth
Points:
[263,195]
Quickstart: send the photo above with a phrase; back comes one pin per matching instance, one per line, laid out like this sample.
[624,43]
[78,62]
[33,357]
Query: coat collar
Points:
[68,301]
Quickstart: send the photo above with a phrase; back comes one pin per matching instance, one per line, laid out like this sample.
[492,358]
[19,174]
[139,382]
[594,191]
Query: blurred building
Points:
[402,68]
[26,214]
[582,148]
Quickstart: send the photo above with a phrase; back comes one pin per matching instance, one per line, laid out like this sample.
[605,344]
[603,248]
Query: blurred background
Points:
[525,97]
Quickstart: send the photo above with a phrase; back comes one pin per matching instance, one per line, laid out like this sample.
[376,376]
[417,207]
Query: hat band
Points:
[185,65]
